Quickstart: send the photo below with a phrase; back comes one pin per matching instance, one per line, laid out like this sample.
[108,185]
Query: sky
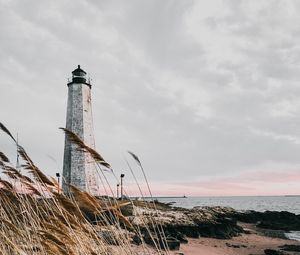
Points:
[206,93]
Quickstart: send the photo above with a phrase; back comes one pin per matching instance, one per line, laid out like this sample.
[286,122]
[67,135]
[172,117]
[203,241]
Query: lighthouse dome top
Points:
[79,76]
[79,72]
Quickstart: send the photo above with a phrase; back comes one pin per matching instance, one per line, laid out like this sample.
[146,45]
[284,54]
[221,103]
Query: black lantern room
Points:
[79,76]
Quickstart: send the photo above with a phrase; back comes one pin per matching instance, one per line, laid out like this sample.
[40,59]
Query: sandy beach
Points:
[254,243]
[242,245]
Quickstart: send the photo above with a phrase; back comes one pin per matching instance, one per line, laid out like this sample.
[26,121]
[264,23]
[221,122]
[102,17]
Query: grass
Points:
[42,220]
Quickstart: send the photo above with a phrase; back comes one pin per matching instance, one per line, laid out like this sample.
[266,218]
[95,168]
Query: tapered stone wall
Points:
[79,167]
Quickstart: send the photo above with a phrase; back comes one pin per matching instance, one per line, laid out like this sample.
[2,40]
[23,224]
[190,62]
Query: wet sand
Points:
[242,245]
[246,244]
[254,243]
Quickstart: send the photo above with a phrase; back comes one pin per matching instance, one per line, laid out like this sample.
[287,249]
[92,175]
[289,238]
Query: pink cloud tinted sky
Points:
[254,183]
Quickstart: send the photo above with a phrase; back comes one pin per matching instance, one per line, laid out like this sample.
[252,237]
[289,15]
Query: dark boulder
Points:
[279,220]
[108,237]
[269,219]
[136,240]
[169,242]
[221,228]
[290,247]
[127,210]
[273,252]
[247,216]
[181,237]
[177,230]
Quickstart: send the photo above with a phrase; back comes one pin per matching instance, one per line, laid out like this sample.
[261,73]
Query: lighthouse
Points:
[79,168]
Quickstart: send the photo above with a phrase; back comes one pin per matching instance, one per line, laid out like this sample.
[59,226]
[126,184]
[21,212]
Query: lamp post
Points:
[118,185]
[122,176]
[58,177]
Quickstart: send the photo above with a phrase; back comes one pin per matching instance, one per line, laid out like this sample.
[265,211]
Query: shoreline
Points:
[241,245]
[288,203]
[222,230]
[253,242]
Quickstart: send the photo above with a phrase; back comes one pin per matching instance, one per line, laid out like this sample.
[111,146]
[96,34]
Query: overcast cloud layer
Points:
[207,93]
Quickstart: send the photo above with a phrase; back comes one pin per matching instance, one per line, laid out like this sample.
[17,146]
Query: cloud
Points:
[196,89]
[264,182]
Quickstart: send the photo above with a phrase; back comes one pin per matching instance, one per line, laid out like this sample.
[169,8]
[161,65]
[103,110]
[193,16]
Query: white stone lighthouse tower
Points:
[79,168]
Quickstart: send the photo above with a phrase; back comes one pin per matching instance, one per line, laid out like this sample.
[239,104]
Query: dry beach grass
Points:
[38,219]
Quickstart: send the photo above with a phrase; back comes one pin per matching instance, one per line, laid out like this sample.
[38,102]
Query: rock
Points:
[270,219]
[177,230]
[172,243]
[108,237]
[247,231]
[136,240]
[147,238]
[236,245]
[280,221]
[220,228]
[213,222]
[290,247]
[127,210]
[181,237]
[273,252]
[247,216]
[178,222]
[273,233]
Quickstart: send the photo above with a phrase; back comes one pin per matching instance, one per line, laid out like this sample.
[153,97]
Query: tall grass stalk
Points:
[37,219]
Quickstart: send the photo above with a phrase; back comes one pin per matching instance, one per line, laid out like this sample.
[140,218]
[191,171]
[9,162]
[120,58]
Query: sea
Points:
[257,203]
[242,203]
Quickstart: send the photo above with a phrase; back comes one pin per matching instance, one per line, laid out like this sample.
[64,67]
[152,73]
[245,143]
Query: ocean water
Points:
[293,235]
[257,203]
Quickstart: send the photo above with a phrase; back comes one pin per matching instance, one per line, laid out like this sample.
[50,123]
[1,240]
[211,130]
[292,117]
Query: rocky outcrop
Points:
[290,247]
[273,252]
[215,222]
[270,219]
[181,223]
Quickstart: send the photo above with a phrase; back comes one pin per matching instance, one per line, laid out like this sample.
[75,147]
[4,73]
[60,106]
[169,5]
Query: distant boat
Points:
[184,196]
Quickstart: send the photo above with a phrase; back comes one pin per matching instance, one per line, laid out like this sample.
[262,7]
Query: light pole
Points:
[122,176]
[118,185]
[58,176]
